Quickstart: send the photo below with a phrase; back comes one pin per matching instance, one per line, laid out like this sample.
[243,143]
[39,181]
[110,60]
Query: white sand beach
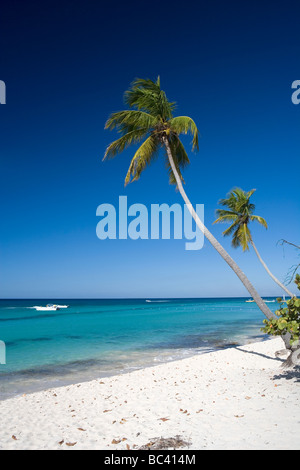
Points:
[237,398]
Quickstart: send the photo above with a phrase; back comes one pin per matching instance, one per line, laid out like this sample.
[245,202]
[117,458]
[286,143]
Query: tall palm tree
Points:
[239,213]
[150,118]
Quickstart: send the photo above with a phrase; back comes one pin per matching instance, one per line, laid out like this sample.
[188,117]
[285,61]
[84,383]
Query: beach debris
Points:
[116,441]
[160,443]
[61,442]
[106,411]
[14,438]
[80,429]
[163,419]
[71,444]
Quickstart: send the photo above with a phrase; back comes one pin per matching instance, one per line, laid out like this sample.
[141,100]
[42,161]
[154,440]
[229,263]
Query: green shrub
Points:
[288,318]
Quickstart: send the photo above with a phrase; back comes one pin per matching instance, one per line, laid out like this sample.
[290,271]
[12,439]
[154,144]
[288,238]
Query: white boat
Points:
[249,300]
[61,306]
[49,307]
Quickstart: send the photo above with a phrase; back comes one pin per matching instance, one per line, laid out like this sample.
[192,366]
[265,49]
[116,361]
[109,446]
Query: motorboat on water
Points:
[249,300]
[49,307]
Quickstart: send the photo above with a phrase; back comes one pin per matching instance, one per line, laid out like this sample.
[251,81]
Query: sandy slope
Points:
[237,398]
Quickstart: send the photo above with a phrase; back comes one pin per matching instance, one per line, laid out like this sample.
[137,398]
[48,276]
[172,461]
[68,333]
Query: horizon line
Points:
[135,298]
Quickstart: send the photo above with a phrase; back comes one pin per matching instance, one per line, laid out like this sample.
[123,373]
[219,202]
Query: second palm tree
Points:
[239,213]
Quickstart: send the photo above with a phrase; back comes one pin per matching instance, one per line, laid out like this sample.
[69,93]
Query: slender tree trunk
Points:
[259,301]
[269,272]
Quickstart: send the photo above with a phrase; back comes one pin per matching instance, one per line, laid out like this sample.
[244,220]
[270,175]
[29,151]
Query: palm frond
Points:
[123,142]
[147,95]
[249,193]
[260,220]
[244,236]
[235,242]
[229,202]
[142,157]
[128,120]
[230,229]
[180,158]
[225,216]
[178,150]
[184,125]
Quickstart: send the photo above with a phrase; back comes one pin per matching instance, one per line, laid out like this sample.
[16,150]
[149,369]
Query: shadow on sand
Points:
[287,374]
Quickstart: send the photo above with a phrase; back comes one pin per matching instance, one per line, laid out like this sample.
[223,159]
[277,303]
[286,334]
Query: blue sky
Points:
[66,65]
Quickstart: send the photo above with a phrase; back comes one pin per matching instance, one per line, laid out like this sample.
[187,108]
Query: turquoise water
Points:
[97,338]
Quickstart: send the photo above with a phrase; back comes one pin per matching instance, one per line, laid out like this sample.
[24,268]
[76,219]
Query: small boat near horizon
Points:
[49,307]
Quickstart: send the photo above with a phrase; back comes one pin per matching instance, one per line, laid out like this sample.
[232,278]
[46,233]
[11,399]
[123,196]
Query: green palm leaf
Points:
[240,212]
[142,157]
[180,157]
[125,141]
[129,120]
[185,125]
[150,117]
[259,219]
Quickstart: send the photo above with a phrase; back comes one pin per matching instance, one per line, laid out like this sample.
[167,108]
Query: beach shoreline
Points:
[236,398]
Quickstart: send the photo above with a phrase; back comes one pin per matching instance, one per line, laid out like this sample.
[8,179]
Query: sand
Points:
[237,398]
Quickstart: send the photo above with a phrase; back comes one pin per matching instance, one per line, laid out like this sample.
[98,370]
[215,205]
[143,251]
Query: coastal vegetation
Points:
[286,324]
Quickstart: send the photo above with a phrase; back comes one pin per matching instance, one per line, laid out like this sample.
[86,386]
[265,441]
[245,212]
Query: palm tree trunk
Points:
[269,272]
[259,301]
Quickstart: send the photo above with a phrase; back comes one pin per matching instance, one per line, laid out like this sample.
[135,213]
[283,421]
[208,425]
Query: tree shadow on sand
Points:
[287,374]
[261,355]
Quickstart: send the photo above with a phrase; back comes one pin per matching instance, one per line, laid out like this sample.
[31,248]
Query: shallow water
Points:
[97,338]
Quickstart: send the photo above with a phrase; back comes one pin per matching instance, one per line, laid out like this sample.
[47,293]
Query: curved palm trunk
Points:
[259,301]
[269,272]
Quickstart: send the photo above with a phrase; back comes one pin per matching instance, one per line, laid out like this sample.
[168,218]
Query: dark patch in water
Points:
[28,340]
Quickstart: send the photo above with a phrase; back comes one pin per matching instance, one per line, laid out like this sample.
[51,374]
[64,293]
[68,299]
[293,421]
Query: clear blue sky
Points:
[66,65]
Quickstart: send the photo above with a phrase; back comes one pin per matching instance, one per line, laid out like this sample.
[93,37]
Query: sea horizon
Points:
[138,298]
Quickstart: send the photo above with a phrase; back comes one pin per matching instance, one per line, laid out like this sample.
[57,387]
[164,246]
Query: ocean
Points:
[98,338]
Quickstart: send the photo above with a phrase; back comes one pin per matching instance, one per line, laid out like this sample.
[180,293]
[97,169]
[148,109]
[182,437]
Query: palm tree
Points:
[239,213]
[150,118]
